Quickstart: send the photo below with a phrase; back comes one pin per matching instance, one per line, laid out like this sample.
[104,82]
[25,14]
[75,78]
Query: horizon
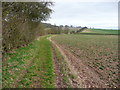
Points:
[84,26]
[102,15]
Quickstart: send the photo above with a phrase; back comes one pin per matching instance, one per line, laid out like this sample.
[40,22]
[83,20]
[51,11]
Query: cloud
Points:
[85,1]
[91,14]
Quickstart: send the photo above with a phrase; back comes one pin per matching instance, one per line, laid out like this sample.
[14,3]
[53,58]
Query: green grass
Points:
[99,52]
[102,31]
[29,66]
[105,31]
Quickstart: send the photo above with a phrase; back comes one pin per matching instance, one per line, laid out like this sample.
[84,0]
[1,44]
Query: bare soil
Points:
[73,82]
[58,80]
[86,77]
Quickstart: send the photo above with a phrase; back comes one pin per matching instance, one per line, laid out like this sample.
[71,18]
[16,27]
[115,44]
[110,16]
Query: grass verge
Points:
[30,66]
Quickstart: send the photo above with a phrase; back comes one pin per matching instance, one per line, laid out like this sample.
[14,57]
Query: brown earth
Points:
[86,77]
[58,80]
[74,82]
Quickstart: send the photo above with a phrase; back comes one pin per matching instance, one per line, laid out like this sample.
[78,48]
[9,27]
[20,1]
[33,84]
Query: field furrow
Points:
[95,57]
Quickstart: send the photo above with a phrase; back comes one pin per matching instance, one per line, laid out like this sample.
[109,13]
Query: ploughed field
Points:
[97,52]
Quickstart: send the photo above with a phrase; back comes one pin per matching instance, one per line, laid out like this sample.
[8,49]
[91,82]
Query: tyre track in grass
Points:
[76,82]
[22,74]
[34,72]
[86,78]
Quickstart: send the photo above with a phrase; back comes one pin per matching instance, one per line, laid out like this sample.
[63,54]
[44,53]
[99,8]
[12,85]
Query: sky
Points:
[91,13]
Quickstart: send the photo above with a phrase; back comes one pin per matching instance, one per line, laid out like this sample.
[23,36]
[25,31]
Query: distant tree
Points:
[71,26]
[61,25]
[66,26]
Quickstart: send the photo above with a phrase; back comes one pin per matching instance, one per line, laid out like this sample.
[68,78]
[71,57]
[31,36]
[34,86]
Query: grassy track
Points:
[100,52]
[30,66]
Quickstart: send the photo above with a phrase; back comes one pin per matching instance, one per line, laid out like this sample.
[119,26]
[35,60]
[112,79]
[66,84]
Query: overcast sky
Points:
[90,13]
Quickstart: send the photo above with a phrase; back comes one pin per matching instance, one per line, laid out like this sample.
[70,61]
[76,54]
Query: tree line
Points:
[21,22]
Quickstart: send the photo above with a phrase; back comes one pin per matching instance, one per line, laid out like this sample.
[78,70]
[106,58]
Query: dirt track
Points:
[58,80]
[86,77]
